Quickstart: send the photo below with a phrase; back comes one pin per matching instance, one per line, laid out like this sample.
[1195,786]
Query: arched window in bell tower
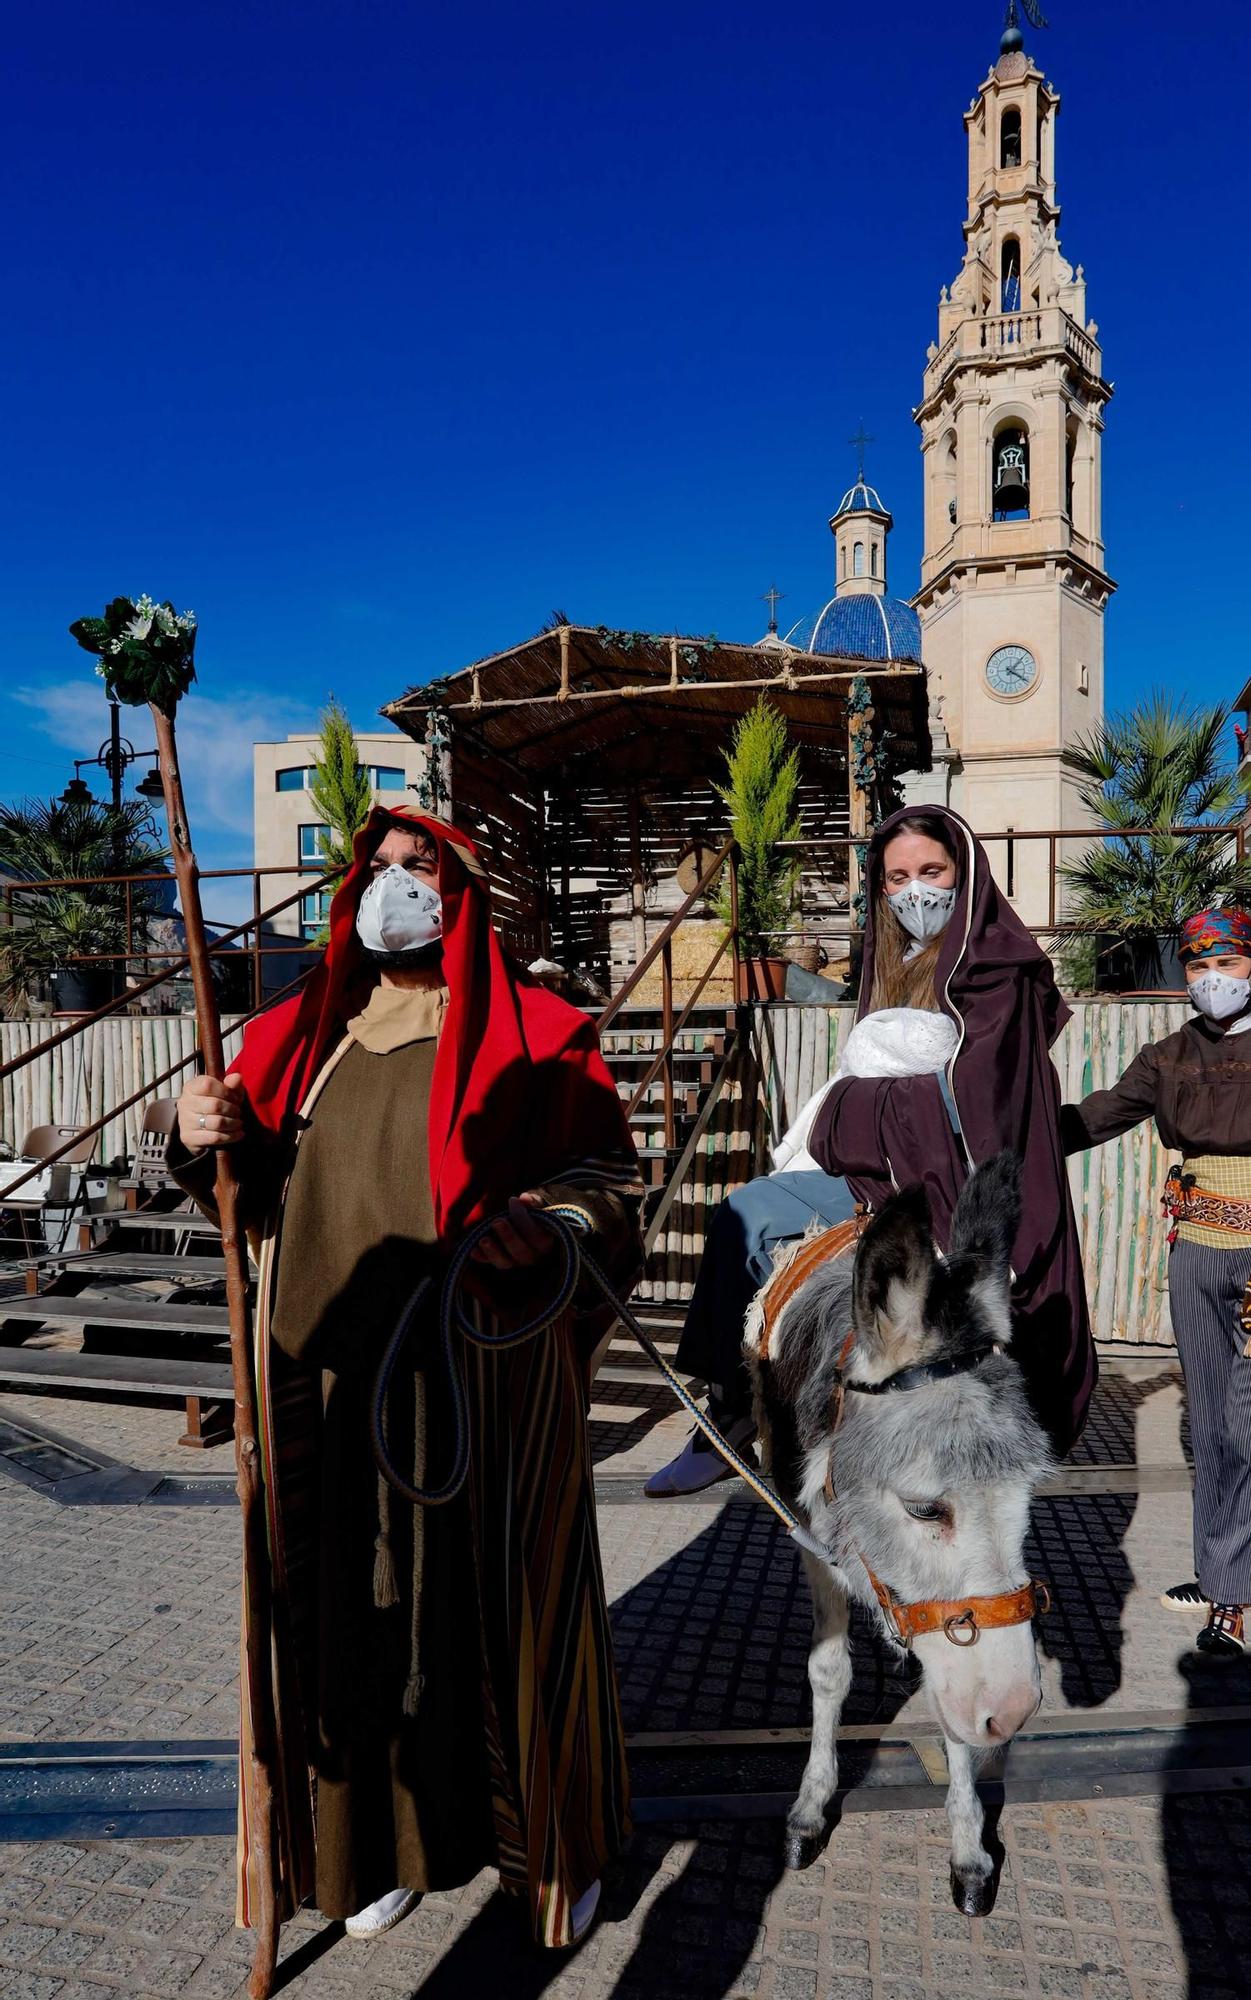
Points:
[950,471]
[1070,455]
[857,560]
[1009,472]
[873,558]
[1010,276]
[1010,137]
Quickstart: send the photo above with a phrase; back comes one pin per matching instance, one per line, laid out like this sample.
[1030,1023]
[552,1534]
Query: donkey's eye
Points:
[928,1510]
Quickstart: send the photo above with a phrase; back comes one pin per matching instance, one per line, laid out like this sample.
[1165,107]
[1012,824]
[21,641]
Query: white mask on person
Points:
[1219,996]
[922,909]
[399,912]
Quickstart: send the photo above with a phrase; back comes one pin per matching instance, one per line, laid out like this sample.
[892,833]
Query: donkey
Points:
[899,1431]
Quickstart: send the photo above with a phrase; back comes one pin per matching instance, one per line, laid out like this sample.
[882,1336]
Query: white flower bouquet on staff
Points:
[145,650]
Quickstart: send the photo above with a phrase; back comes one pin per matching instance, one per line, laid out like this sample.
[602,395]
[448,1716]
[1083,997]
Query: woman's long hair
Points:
[897,981]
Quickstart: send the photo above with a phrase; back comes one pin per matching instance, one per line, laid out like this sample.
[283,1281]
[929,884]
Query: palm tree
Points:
[1159,766]
[52,841]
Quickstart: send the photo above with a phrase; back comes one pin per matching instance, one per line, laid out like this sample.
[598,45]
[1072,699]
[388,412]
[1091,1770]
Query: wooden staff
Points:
[259,1691]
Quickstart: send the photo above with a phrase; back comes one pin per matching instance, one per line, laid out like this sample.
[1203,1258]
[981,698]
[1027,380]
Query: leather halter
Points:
[961,1619]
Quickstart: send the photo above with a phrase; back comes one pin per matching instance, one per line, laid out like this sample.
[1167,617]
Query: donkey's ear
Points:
[988,1214]
[894,1266]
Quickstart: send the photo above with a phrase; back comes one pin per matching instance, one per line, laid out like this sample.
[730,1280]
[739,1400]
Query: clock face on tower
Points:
[1011,670]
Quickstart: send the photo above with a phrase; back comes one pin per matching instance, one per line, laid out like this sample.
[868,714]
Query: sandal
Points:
[1223,1638]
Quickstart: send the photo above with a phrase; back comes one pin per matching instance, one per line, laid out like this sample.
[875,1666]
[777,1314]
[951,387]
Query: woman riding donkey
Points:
[1196,1084]
[946,1067]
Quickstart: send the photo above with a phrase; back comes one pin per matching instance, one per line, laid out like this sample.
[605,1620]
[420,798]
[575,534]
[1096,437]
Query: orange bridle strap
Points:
[961,1619]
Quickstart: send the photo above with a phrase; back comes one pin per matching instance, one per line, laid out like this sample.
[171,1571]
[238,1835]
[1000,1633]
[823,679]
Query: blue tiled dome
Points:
[861,627]
[861,499]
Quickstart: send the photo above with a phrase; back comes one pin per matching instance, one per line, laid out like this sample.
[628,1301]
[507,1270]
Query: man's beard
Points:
[423,958]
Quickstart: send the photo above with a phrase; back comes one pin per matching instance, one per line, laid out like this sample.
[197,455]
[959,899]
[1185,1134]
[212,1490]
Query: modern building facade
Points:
[287,831]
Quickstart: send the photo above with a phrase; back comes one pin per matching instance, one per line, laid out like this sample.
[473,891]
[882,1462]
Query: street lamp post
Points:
[115,757]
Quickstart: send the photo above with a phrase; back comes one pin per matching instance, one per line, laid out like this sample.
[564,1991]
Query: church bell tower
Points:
[1013,583]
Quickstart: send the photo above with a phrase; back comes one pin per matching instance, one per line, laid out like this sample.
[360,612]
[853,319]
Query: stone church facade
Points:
[1014,583]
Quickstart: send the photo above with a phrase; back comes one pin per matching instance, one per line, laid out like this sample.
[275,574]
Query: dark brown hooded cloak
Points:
[998,985]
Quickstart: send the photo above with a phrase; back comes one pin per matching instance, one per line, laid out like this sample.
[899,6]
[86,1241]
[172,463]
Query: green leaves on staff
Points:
[145,650]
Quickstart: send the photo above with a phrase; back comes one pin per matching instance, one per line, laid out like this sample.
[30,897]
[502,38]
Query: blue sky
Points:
[376,332]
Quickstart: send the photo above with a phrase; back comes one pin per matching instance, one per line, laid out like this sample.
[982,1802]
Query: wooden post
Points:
[736,961]
[637,897]
[263,1833]
[666,1029]
[857,803]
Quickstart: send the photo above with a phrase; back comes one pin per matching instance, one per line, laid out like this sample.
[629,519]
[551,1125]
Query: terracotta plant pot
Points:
[766,978]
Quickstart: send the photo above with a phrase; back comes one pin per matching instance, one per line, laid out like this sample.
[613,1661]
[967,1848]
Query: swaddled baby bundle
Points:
[893,1042]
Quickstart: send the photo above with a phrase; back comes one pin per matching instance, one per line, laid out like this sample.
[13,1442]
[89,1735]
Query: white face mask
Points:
[399,912]
[1218,996]
[922,909]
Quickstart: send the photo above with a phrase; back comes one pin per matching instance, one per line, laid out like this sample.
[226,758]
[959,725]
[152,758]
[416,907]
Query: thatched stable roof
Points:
[643,705]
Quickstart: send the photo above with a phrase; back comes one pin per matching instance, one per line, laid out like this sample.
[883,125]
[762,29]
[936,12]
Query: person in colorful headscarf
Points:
[1196,1084]
[443,1677]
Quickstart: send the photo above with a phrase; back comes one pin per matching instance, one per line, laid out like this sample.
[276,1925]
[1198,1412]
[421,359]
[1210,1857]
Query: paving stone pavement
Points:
[119,1622]
[1084,1913]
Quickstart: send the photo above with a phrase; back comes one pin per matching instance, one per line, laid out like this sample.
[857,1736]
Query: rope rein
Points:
[568,1228]
[961,1620]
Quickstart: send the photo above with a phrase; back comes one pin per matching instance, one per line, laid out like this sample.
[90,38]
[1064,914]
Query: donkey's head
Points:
[937,1451]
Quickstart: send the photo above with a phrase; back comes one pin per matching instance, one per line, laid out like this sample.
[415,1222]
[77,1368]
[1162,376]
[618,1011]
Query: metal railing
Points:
[172,964]
[137,949]
[662,948]
[1012,840]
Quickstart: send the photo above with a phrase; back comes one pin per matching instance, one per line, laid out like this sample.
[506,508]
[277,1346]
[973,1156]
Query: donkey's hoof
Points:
[974,1893]
[803,1846]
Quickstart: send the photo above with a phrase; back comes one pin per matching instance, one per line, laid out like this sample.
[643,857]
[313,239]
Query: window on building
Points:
[1009,466]
[293,779]
[857,560]
[310,847]
[1010,137]
[314,912]
[873,558]
[387,777]
[1010,276]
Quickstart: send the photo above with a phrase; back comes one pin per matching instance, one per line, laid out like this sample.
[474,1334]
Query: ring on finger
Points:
[201,1121]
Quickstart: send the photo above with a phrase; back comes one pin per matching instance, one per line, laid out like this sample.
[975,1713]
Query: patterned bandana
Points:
[1214,932]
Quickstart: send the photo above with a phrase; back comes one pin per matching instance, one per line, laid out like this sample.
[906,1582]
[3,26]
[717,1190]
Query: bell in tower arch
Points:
[1011,469]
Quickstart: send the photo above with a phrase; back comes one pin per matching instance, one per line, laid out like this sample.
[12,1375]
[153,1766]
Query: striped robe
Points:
[554,1741]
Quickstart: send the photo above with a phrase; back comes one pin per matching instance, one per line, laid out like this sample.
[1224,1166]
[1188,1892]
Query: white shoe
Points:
[384,1915]
[584,1911]
[699,1464]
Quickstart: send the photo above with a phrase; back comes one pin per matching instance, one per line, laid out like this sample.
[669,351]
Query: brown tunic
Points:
[401,1802]
[1196,1084]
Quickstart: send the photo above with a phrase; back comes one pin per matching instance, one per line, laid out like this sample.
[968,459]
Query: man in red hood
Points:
[443,1676]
